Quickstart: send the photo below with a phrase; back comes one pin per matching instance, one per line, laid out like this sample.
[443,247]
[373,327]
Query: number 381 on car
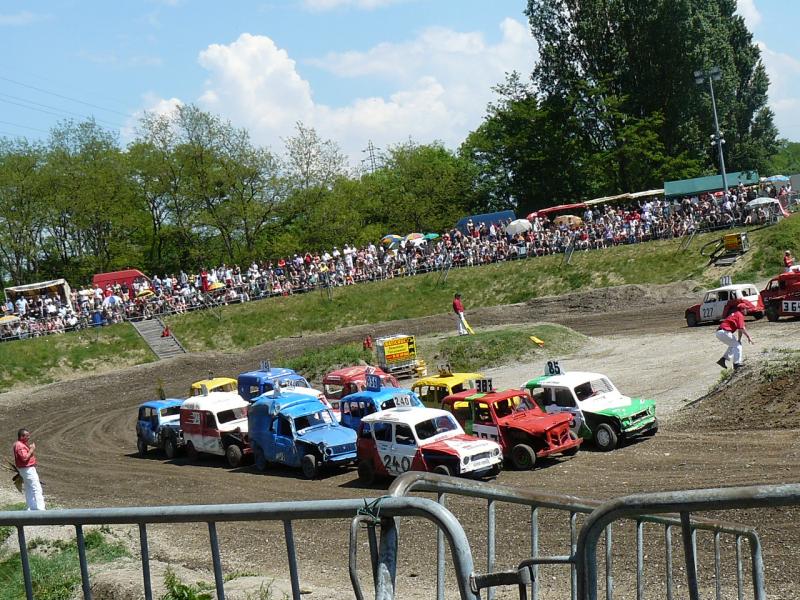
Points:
[397,440]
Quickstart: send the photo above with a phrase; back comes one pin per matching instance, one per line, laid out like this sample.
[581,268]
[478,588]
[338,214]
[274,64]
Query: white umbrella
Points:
[760,202]
[518,226]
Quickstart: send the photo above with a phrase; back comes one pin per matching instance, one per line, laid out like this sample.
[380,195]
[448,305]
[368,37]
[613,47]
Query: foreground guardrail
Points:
[384,556]
[582,559]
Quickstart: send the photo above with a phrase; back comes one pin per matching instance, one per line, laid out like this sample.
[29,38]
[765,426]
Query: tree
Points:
[624,59]
[786,161]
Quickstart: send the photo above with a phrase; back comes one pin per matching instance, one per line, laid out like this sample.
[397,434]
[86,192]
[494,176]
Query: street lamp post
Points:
[714,74]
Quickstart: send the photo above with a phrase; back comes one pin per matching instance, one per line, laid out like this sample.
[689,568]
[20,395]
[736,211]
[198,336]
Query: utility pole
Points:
[714,74]
[372,163]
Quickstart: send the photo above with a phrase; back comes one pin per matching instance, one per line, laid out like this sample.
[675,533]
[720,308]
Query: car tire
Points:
[523,457]
[259,459]
[758,315]
[442,470]
[191,451]
[170,447]
[309,464]
[141,447]
[691,320]
[366,471]
[652,431]
[234,454]
[605,438]
[772,313]
[572,451]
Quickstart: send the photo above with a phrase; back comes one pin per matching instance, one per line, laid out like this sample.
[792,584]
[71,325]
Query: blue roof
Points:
[384,393]
[273,373]
[166,403]
[290,404]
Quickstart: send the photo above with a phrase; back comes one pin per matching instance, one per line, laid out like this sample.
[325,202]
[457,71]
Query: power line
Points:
[62,96]
[24,126]
[60,110]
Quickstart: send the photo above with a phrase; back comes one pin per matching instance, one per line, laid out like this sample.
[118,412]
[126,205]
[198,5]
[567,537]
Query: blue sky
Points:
[355,70]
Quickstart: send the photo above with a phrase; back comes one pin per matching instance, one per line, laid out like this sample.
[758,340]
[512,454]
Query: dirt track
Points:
[85,432]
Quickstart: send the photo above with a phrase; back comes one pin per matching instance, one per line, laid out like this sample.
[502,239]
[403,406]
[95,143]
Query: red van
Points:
[113,278]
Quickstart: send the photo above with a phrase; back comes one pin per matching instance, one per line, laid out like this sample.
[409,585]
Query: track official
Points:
[458,309]
[730,333]
[25,461]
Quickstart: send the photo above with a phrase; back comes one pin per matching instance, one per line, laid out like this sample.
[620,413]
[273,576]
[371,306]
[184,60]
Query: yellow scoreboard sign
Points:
[400,349]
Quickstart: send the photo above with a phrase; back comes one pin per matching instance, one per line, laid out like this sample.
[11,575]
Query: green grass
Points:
[500,346]
[46,359]
[7,530]
[313,364]
[55,571]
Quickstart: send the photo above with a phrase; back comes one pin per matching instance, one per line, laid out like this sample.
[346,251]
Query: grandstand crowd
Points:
[599,226]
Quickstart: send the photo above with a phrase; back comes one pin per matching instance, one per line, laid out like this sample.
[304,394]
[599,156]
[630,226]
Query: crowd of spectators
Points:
[599,226]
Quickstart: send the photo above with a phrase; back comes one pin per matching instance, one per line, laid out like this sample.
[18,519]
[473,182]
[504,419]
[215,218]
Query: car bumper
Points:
[478,467]
[640,427]
[566,447]
[340,459]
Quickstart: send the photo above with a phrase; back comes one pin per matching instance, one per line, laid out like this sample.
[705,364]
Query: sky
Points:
[357,71]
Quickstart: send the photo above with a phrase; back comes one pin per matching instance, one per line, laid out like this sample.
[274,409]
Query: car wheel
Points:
[141,446]
[233,454]
[653,430]
[442,470]
[691,319]
[258,457]
[605,438]
[170,447]
[572,451]
[757,315]
[309,465]
[772,313]
[191,451]
[366,471]
[523,457]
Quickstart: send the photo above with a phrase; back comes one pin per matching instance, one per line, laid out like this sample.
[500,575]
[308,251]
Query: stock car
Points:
[356,406]
[391,442]
[212,384]
[348,380]
[719,302]
[215,423]
[158,425]
[298,430]
[432,390]
[600,412]
[524,431]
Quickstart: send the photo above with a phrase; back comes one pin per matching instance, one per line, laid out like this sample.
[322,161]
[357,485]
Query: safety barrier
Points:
[382,512]
[580,555]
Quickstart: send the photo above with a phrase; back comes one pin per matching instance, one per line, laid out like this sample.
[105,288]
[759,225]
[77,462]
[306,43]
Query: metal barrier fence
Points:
[580,556]
[383,554]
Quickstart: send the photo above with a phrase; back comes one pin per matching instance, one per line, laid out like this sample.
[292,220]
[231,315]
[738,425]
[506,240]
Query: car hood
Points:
[616,404]
[533,422]
[329,435]
[240,424]
[461,445]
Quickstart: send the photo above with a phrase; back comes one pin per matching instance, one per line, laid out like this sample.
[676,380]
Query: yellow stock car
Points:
[432,390]
[213,384]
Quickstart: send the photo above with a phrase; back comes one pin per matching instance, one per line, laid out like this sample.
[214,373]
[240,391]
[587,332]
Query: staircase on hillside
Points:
[163,347]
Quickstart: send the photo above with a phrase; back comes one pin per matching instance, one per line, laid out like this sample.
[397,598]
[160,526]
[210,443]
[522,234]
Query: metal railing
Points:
[383,555]
[527,572]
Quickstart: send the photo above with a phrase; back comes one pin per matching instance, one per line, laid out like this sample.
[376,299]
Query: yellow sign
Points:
[399,349]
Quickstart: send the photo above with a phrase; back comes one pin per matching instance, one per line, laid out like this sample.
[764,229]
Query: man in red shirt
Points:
[788,261]
[25,461]
[458,308]
[730,333]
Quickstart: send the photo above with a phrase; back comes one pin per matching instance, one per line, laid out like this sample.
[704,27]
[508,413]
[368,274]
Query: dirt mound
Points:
[622,297]
[761,396]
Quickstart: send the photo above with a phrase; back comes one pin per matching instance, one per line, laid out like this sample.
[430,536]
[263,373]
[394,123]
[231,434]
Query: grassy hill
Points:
[238,327]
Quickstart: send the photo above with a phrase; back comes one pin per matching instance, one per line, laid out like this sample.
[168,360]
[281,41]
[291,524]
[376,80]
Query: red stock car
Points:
[524,431]
[349,380]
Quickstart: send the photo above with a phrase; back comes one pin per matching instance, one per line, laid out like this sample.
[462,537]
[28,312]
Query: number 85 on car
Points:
[397,440]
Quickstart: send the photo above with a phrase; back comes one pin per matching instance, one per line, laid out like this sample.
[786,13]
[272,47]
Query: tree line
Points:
[610,106]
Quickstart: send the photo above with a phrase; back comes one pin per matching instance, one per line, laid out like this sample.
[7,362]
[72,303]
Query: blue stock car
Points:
[360,404]
[252,384]
[298,430]
[158,424]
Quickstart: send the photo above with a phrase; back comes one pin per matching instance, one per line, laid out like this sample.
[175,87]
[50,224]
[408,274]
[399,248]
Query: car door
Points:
[210,439]
[718,309]
[485,425]
[282,449]
[562,400]
[143,424]
[384,443]
[402,452]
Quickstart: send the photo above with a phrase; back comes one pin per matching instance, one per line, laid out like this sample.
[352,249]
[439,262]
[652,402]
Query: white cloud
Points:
[24,17]
[153,104]
[324,5]
[784,90]
[747,9]
[440,83]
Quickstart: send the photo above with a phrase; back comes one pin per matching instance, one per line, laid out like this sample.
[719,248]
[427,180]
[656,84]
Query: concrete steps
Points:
[162,347]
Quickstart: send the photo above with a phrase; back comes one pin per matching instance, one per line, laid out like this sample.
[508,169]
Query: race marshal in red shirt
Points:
[458,309]
[25,461]
[730,333]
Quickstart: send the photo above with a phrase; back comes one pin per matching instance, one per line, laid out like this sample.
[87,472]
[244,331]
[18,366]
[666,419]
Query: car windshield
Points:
[333,390]
[506,406]
[435,426]
[170,411]
[288,382]
[315,419]
[226,416]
